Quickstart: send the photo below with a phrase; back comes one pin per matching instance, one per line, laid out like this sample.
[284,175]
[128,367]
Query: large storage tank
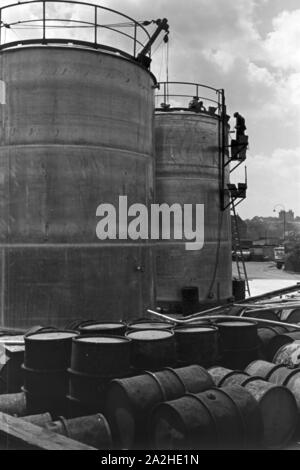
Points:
[76,131]
[188,171]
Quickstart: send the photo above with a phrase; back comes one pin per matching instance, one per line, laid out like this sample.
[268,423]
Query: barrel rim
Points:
[230,374]
[42,371]
[226,323]
[182,329]
[96,323]
[253,378]
[166,322]
[273,369]
[82,339]
[78,373]
[150,339]
[32,337]
[290,375]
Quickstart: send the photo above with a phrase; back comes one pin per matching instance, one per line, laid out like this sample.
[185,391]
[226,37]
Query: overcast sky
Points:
[252,49]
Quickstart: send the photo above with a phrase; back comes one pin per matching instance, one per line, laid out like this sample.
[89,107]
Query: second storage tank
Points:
[188,171]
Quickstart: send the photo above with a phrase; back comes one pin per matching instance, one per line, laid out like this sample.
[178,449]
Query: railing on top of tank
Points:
[177,96]
[40,16]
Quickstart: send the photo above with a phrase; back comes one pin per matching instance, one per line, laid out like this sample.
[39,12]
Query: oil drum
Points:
[197,345]
[130,400]
[92,430]
[48,350]
[101,355]
[288,355]
[238,343]
[278,409]
[152,349]
[281,340]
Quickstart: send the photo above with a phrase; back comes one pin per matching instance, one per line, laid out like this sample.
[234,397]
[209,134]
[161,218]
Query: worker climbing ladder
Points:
[238,252]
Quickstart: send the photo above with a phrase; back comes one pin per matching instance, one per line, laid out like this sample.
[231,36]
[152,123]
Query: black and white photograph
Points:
[149,228]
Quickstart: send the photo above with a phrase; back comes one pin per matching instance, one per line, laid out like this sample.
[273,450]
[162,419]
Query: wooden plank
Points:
[15,433]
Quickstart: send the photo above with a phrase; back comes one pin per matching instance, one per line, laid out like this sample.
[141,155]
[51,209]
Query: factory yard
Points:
[265,277]
[266,270]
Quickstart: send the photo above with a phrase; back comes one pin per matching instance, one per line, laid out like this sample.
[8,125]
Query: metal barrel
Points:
[195,378]
[88,389]
[185,423]
[290,315]
[13,404]
[214,419]
[152,349]
[103,328]
[279,374]
[278,409]
[39,419]
[252,423]
[52,383]
[101,355]
[261,368]
[292,382]
[238,343]
[265,335]
[288,355]
[130,400]
[11,374]
[269,314]
[236,377]
[217,373]
[151,324]
[92,430]
[48,350]
[197,345]
[280,340]
[227,417]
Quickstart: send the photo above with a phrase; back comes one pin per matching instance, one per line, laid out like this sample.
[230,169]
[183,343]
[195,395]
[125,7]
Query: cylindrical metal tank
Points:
[76,131]
[188,171]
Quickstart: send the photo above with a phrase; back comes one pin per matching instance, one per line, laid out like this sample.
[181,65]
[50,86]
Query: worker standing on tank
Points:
[240,125]
[194,104]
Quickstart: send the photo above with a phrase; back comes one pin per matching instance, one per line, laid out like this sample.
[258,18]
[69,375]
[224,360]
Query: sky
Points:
[251,48]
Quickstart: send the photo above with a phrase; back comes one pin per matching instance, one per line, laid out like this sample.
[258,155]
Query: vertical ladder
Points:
[238,252]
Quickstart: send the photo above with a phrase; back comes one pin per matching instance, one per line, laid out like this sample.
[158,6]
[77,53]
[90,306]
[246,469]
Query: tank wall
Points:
[76,131]
[188,172]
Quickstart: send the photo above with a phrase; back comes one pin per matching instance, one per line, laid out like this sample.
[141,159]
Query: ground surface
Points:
[265,277]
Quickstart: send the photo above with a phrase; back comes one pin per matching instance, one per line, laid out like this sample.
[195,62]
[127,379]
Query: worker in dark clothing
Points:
[201,107]
[165,106]
[194,104]
[240,125]
[197,105]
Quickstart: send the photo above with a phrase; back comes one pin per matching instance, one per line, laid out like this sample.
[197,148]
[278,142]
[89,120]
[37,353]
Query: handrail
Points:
[44,24]
[169,92]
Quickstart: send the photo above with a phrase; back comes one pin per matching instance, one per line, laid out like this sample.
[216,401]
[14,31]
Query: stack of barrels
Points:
[47,358]
[130,400]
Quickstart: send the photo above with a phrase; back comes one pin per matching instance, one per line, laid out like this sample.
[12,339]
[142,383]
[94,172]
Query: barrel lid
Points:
[143,325]
[101,339]
[102,326]
[51,336]
[236,323]
[196,329]
[150,334]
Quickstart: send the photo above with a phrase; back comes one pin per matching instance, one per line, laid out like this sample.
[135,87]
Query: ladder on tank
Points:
[238,252]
